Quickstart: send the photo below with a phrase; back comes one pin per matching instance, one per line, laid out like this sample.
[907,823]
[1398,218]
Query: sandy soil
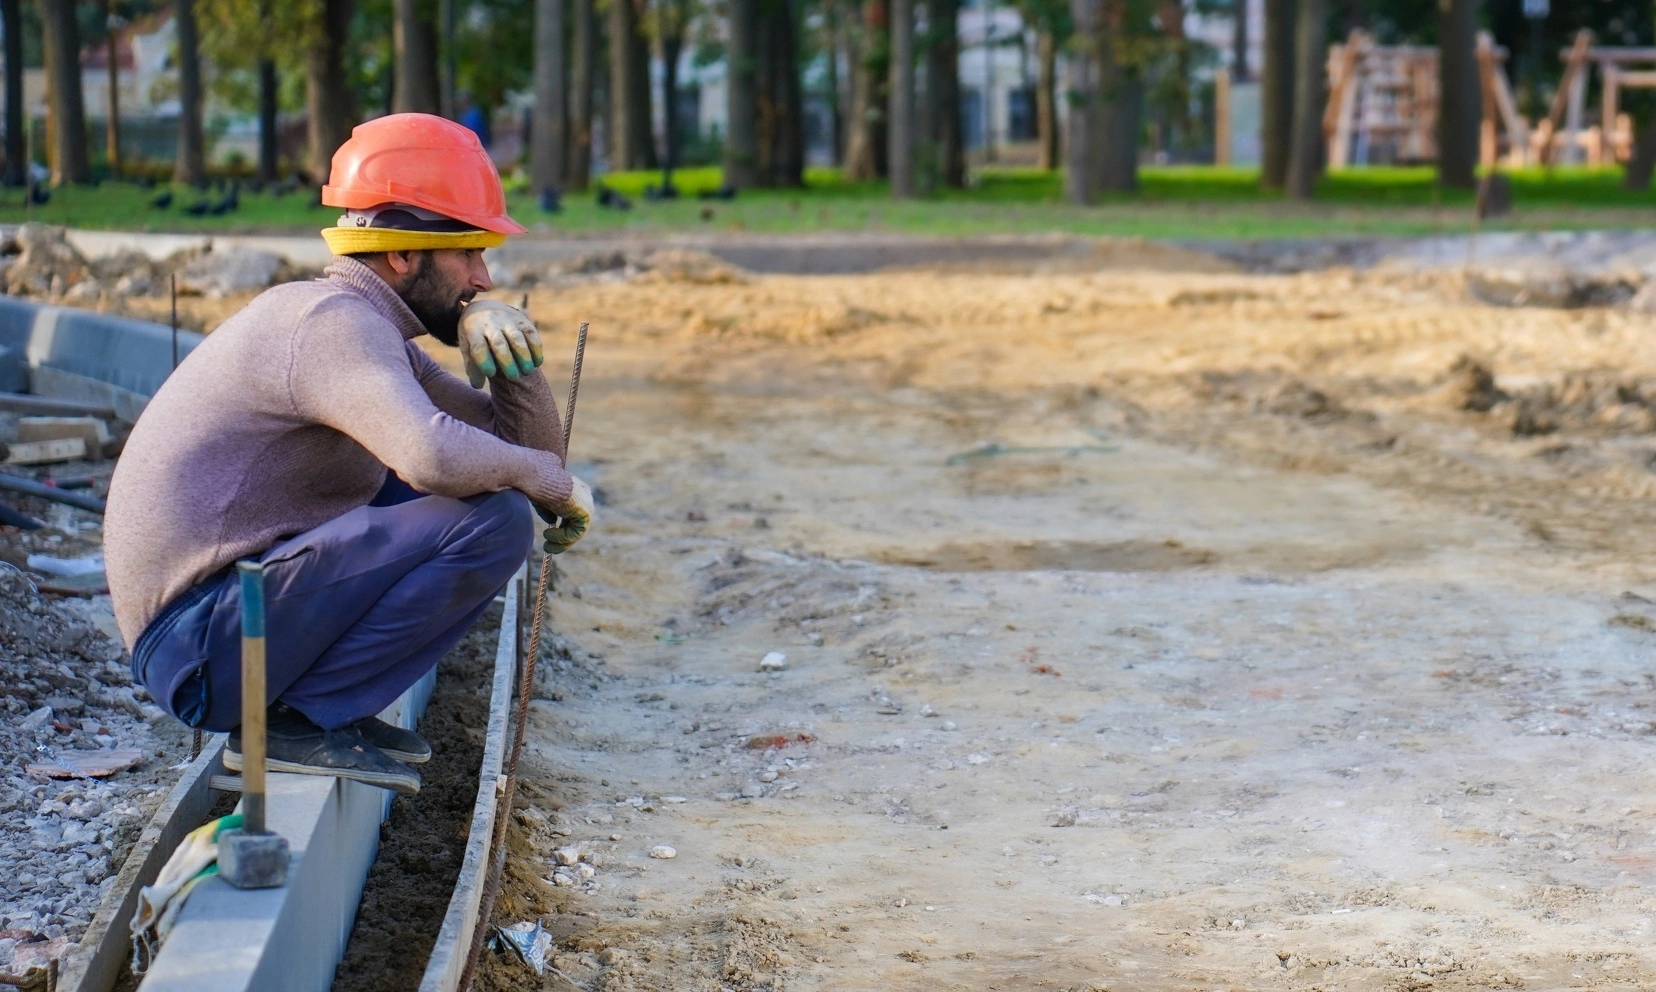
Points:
[1250,658]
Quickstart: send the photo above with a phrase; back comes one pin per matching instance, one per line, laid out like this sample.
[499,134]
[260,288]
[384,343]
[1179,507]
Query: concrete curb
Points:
[448,956]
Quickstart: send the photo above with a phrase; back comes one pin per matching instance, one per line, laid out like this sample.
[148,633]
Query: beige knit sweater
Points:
[287,416]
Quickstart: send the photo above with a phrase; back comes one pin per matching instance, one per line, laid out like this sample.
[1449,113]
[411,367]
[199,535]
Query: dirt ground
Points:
[1163,629]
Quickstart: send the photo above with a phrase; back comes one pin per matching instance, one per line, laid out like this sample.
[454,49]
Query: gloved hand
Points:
[577,517]
[498,339]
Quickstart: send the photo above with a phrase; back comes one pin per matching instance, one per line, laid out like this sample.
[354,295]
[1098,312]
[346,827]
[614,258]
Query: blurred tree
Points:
[632,144]
[414,40]
[583,74]
[779,123]
[11,21]
[1276,96]
[943,161]
[249,45]
[1306,150]
[549,152]
[667,22]
[330,95]
[865,145]
[741,151]
[1052,23]
[191,166]
[900,94]
[1461,101]
[1115,43]
[67,121]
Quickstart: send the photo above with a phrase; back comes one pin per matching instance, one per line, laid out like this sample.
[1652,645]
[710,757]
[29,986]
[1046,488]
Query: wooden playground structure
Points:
[1383,100]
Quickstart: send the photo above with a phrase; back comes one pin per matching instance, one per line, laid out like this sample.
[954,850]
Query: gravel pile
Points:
[65,689]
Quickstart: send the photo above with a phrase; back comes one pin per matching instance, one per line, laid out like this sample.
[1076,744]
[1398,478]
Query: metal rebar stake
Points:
[252,857]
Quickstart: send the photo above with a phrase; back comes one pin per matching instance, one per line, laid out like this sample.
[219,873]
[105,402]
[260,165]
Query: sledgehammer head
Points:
[252,861]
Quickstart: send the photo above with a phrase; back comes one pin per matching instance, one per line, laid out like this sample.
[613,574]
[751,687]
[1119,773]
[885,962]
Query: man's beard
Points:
[436,304]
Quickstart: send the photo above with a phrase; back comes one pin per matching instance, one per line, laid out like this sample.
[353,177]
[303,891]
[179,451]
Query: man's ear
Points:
[401,262]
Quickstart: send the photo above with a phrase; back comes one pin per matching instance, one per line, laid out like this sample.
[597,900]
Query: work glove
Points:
[576,518]
[496,339]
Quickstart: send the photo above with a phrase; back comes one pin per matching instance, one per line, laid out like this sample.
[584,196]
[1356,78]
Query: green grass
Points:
[1175,202]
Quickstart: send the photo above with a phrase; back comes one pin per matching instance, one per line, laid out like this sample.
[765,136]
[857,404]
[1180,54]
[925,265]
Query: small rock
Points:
[768,777]
[563,879]
[37,719]
[586,872]
[776,661]
[927,710]
[753,790]
[612,956]
[663,852]
[948,725]
[566,855]
[726,797]
[1065,818]
[64,704]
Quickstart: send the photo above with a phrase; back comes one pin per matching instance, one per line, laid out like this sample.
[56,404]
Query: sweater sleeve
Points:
[348,369]
[522,412]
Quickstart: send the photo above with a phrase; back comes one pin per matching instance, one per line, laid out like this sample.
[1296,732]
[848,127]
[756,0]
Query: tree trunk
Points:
[582,75]
[268,137]
[1239,43]
[943,92]
[414,47]
[1643,161]
[328,95]
[17,147]
[1460,105]
[1276,97]
[61,44]
[865,151]
[548,153]
[447,100]
[741,151]
[1123,120]
[192,142]
[779,127]
[112,113]
[900,91]
[832,48]
[674,21]
[1083,147]
[629,91]
[1046,109]
[1306,152]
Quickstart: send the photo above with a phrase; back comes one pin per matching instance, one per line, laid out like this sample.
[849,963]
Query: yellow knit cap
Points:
[355,240]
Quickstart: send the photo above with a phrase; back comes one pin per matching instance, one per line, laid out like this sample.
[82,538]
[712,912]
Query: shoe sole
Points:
[384,780]
[405,757]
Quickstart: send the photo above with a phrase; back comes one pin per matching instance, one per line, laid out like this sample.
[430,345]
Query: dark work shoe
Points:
[404,745]
[342,753]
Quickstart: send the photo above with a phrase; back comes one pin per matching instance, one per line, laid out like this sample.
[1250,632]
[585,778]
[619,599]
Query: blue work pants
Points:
[357,610]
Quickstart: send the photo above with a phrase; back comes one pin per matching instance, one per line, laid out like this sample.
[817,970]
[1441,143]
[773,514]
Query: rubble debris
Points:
[88,764]
[1471,386]
[65,687]
[774,661]
[219,273]
[45,263]
[662,265]
[1545,283]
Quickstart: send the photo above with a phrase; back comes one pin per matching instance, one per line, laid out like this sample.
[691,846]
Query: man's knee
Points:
[506,527]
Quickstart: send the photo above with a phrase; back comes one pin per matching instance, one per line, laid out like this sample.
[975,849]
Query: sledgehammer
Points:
[253,857]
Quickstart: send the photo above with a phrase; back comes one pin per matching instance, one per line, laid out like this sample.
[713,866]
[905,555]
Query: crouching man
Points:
[389,501]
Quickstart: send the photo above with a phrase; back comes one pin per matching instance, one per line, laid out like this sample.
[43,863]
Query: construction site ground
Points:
[1250,658]
[1163,628]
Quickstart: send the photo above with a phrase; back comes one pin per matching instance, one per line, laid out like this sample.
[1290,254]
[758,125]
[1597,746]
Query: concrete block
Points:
[90,429]
[46,452]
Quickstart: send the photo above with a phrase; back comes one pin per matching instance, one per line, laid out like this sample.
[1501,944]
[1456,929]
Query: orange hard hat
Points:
[424,161]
